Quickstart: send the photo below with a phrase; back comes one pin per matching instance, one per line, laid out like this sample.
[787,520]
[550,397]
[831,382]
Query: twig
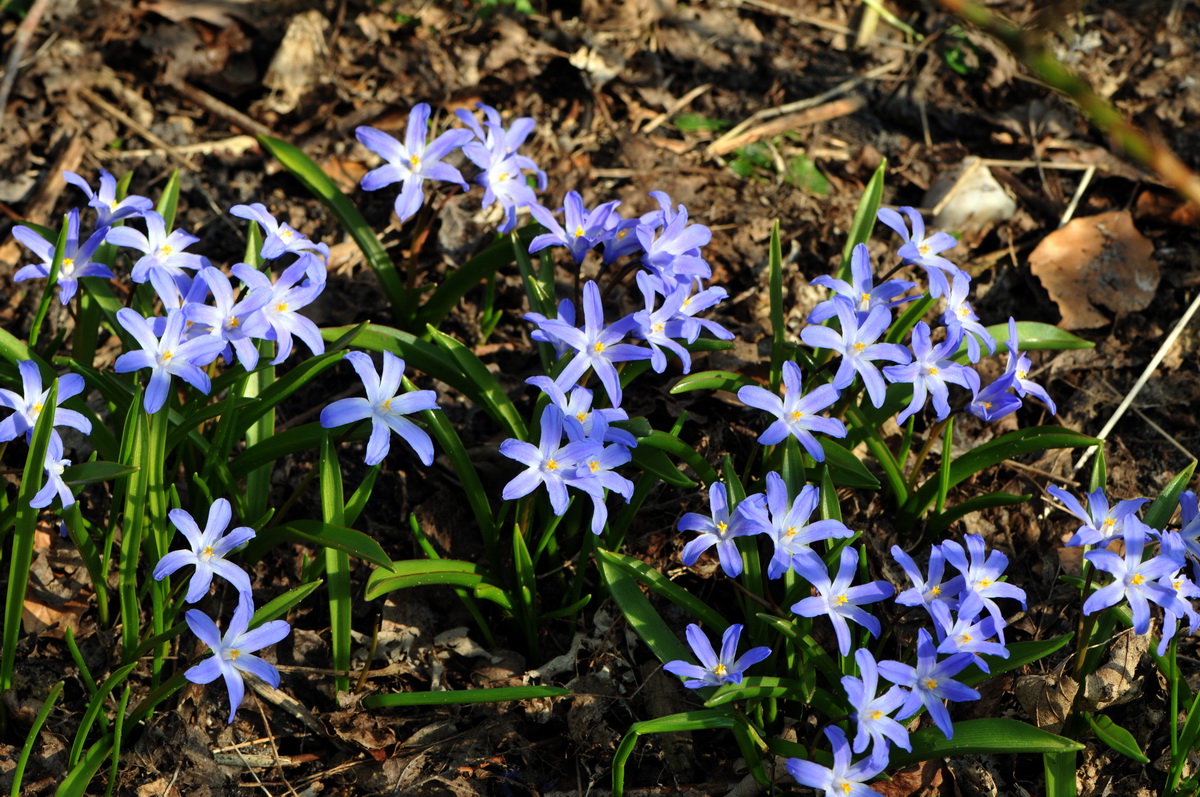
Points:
[675,107]
[214,106]
[1083,184]
[1031,49]
[235,145]
[822,113]
[797,16]
[1145,377]
[845,87]
[20,41]
[137,127]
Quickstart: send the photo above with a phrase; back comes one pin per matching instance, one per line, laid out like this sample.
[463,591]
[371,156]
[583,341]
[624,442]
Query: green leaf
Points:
[1034,335]
[993,736]
[464,468]
[20,557]
[657,463]
[704,614]
[1060,774]
[1116,737]
[60,246]
[1159,513]
[316,181]
[327,535]
[1020,654]
[460,697]
[756,686]
[640,614]
[1013,444]
[458,282]
[712,380]
[682,451]
[908,319]
[864,217]
[282,604]
[168,201]
[938,523]
[778,325]
[431,572]
[35,733]
[291,441]
[708,719]
[846,469]
[491,396]
[804,174]
[92,472]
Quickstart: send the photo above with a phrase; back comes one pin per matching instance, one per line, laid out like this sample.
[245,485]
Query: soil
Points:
[629,97]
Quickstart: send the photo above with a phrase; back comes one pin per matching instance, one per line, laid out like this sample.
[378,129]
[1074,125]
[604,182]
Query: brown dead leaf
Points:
[1116,681]
[1047,698]
[920,780]
[1097,260]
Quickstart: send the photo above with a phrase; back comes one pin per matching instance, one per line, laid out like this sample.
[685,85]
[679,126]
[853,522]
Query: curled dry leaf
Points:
[1046,698]
[1097,260]
[1116,681]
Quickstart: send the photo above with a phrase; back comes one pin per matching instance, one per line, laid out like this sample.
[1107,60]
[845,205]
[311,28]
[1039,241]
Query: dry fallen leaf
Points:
[1097,260]
[1046,697]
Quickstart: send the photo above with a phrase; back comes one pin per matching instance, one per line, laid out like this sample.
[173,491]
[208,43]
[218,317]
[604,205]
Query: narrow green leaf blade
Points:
[993,736]
[1116,737]
[461,697]
[316,181]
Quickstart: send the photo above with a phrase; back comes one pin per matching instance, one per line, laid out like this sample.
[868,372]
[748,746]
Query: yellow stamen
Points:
[286,234]
[876,715]
[987,405]
[166,250]
[791,531]
[866,298]
[37,407]
[208,551]
[578,231]
[622,234]
[167,355]
[931,684]
[68,263]
[657,328]
[1020,374]
[985,582]
[720,669]
[935,591]
[842,600]
[281,307]
[797,415]
[599,347]
[933,371]
[923,249]
[860,346]
[1137,580]
[966,639]
[722,527]
[233,654]
[1110,522]
[387,405]
[551,465]
[581,416]
[414,162]
[846,787]
[594,466]
[963,312]
[234,323]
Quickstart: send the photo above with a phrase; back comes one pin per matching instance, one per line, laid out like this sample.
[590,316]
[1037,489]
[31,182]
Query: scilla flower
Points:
[209,548]
[233,653]
[717,670]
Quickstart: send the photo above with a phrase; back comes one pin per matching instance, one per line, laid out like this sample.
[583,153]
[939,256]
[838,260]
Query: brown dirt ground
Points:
[604,80]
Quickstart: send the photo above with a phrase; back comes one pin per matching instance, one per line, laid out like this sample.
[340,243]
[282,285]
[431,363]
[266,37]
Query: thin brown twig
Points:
[20,42]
